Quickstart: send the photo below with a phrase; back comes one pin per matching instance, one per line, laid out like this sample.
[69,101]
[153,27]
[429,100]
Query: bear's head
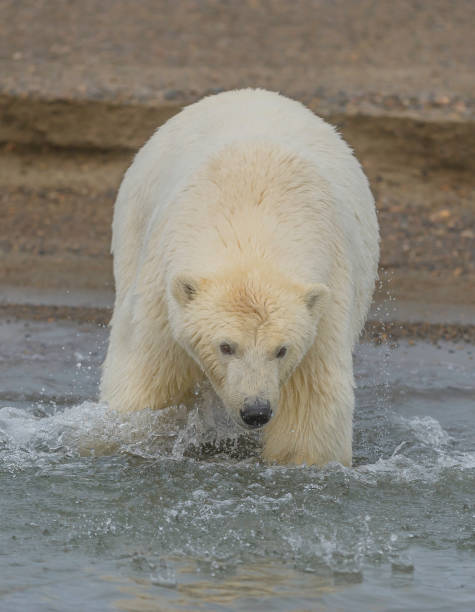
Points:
[248,332]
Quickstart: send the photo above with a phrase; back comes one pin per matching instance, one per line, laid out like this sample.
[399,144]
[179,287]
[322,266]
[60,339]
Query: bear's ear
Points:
[184,289]
[315,297]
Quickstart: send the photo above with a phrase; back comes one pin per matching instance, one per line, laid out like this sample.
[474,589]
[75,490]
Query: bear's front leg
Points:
[314,423]
[151,373]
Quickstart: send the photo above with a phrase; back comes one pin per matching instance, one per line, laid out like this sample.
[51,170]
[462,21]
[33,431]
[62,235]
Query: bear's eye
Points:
[226,348]
[281,352]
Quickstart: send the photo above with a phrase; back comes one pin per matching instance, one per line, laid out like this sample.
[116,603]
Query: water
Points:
[174,510]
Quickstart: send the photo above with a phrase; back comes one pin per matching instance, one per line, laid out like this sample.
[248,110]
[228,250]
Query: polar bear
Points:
[245,246]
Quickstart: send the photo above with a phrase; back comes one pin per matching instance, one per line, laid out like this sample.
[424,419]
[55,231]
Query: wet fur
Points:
[250,203]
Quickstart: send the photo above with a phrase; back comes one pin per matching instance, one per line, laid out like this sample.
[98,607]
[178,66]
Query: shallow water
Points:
[174,511]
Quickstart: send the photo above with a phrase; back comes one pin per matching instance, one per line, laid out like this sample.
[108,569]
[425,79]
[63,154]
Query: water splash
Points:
[28,438]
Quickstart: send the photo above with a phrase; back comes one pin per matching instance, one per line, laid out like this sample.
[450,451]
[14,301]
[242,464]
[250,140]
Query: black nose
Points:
[256,412]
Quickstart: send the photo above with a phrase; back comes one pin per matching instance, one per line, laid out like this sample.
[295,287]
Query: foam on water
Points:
[28,438]
[90,428]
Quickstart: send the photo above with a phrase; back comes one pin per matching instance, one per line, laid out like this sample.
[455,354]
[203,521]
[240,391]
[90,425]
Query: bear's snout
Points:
[256,412]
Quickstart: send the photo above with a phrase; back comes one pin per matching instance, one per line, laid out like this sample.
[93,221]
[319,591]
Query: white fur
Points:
[246,191]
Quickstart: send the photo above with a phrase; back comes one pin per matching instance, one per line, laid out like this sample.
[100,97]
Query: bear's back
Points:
[167,163]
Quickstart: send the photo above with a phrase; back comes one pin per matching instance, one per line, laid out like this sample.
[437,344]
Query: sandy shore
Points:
[83,85]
